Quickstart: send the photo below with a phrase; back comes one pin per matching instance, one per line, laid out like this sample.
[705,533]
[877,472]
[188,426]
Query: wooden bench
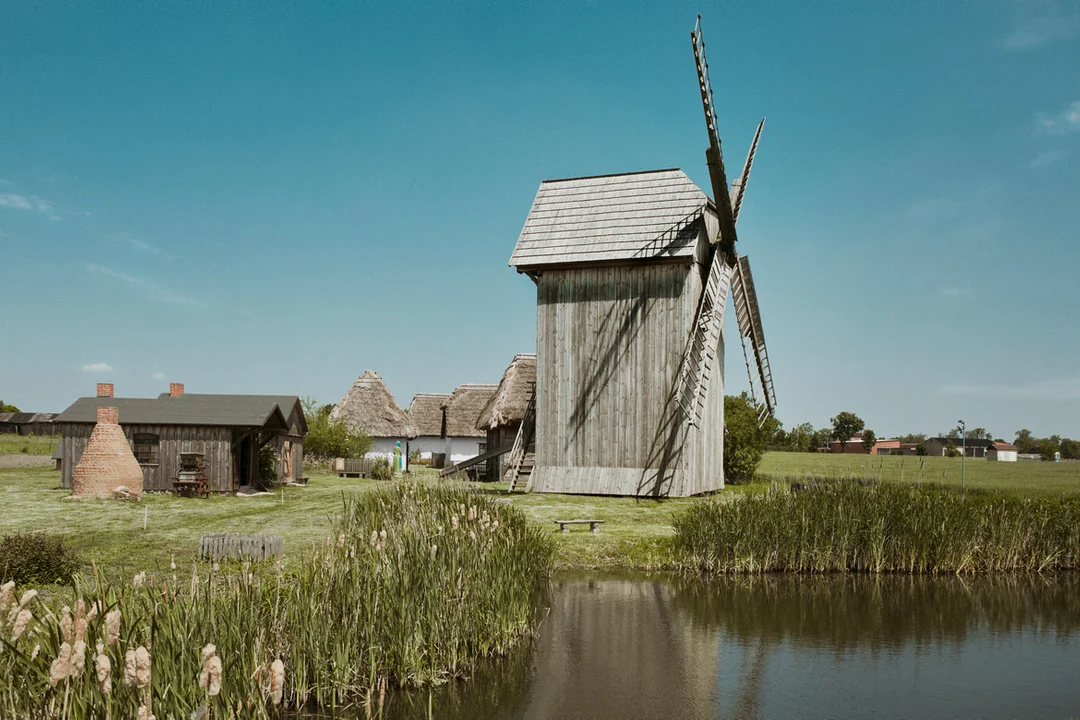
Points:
[594,525]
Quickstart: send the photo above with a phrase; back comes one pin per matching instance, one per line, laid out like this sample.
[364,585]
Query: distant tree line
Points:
[4,407]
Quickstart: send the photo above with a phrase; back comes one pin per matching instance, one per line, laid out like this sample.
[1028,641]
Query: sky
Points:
[258,198]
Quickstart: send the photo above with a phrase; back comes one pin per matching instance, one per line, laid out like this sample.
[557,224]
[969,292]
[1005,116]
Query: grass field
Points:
[29,445]
[635,533]
[1021,478]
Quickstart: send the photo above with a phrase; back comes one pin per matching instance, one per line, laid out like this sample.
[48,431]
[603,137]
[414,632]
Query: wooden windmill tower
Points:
[632,274]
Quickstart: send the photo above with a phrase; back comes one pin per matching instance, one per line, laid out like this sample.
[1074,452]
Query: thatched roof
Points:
[426,413]
[370,407]
[508,403]
[463,408]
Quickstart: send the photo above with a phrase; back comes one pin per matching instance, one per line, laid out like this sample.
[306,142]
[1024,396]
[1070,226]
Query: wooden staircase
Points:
[523,455]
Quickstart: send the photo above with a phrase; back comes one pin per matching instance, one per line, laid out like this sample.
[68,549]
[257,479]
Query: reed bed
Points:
[415,587]
[859,526]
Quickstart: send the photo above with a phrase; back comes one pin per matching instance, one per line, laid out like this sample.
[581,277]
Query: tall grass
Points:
[849,526]
[417,585]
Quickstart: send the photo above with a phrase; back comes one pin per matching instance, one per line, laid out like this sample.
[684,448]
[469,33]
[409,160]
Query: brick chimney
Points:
[176,389]
[105,390]
[107,461]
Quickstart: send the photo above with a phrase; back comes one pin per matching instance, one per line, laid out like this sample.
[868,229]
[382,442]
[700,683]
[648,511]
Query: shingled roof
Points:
[463,408]
[369,406]
[612,218]
[426,413]
[229,410]
[511,398]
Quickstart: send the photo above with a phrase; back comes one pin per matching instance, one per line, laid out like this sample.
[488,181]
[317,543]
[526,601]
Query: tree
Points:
[868,440]
[744,443]
[950,450]
[4,407]
[980,434]
[1025,443]
[912,438]
[1048,448]
[845,426]
[328,437]
[920,448]
[1070,449]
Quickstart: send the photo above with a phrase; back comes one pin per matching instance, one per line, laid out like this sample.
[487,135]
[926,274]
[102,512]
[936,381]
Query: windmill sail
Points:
[748,317]
[701,352]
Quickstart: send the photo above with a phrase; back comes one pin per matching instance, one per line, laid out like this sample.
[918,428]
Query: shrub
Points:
[381,469]
[744,443]
[268,461]
[29,558]
[328,437]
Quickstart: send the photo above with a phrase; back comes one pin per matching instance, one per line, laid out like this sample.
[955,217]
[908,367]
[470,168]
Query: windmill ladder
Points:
[521,459]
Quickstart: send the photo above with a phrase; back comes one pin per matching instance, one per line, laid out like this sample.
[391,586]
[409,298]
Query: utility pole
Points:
[963,454]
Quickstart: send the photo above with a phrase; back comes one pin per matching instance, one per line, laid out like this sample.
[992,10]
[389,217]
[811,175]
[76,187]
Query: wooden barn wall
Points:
[610,341]
[214,442]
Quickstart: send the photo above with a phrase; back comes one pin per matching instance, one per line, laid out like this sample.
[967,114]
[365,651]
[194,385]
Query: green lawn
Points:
[17,444]
[1022,478]
[635,533]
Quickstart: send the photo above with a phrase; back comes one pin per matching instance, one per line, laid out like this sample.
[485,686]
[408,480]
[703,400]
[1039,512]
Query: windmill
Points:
[728,271]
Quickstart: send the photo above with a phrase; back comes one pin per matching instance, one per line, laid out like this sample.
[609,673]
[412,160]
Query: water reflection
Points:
[785,646]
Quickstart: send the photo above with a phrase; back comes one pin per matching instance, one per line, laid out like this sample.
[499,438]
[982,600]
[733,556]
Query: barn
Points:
[229,430]
[620,264]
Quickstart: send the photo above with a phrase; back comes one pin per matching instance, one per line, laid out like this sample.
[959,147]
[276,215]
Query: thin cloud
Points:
[97,367]
[1063,123]
[156,290]
[1061,389]
[158,376]
[33,202]
[953,292]
[1046,159]
[1037,32]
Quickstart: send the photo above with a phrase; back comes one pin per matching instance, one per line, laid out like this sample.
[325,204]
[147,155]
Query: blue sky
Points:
[248,199]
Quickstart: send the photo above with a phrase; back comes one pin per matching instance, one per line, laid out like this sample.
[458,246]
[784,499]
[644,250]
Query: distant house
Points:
[229,430]
[502,416]
[1002,452]
[971,447]
[25,423]
[464,439]
[894,447]
[854,446]
[427,414]
[369,406]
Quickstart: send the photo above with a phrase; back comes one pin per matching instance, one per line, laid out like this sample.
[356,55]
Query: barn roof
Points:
[426,413]
[286,403]
[368,405]
[508,403]
[612,218]
[464,407]
[24,418]
[229,410]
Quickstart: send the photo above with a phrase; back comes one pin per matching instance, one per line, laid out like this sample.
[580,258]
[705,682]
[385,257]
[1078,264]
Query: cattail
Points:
[19,626]
[142,667]
[341,540]
[27,597]
[144,712]
[103,668]
[382,537]
[80,620]
[472,512]
[277,681]
[130,667]
[494,524]
[6,593]
[485,519]
[34,654]
[210,677]
[78,659]
[65,623]
[374,538]
[434,549]
[112,627]
[453,522]
[94,611]
[138,580]
[61,666]
[462,508]
[172,562]
[472,536]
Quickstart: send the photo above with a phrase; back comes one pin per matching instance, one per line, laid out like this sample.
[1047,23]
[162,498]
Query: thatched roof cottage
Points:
[427,415]
[369,406]
[501,417]
[463,439]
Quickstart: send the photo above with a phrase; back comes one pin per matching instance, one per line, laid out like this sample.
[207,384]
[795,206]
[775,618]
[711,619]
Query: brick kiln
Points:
[107,462]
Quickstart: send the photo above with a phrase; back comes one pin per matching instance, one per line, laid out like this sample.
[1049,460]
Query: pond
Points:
[628,646]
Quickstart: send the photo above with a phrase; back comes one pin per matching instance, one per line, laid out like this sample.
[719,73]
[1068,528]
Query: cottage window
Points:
[147,447]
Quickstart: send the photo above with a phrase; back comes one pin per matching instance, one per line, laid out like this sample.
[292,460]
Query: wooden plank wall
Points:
[214,442]
[610,341]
